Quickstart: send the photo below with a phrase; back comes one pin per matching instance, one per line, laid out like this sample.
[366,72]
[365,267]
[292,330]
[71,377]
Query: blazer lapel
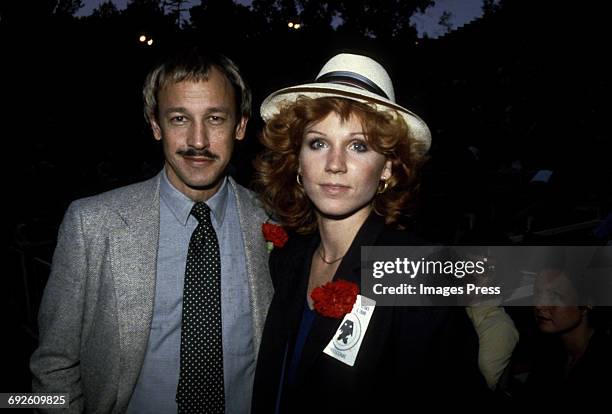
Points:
[251,218]
[323,328]
[297,301]
[134,244]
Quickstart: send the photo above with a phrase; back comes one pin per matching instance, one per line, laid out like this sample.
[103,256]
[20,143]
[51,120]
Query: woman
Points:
[573,356]
[340,167]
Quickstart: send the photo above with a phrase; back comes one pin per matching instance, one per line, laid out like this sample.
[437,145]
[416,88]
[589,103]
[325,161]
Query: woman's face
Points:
[340,171]
[558,319]
[556,309]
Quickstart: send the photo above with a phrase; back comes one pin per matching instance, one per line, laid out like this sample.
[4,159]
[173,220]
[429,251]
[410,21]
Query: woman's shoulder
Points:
[289,260]
[599,347]
[295,247]
[393,236]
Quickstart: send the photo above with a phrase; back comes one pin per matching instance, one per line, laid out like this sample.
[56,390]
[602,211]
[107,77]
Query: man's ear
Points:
[241,128]
[155,127]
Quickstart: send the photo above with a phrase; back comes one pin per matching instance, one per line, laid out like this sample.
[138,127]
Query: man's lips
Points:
[198,155]
[198,158]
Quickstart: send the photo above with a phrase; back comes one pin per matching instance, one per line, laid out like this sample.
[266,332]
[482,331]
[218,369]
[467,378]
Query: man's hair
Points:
[276,169]
[194,64]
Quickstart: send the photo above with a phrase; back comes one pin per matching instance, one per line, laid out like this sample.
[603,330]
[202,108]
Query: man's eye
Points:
[215,119]
[179,119]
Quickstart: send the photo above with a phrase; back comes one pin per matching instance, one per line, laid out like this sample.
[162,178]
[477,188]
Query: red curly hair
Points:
[276,168]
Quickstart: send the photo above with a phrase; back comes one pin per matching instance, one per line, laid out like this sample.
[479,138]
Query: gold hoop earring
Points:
[384,188]
[299,181]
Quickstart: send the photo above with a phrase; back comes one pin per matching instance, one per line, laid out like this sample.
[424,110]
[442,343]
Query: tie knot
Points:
[201,212]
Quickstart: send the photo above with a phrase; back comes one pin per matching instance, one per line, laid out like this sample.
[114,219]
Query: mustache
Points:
[192,152]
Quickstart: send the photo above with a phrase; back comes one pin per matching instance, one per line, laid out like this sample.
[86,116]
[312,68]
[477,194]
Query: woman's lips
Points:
[542,319]
[334,189]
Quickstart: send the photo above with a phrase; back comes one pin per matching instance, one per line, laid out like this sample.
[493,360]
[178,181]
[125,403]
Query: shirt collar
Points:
[180,205]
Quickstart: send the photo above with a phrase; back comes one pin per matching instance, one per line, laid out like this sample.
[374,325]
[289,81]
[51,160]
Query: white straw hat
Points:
[353,77]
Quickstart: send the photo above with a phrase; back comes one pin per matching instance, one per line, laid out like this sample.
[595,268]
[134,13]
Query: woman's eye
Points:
[359,146]
[178,119]
[316,144]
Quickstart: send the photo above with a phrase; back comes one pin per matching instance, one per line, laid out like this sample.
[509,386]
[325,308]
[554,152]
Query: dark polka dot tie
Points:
[200,387]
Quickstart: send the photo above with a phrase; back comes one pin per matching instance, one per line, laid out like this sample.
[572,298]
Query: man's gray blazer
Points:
[96,311]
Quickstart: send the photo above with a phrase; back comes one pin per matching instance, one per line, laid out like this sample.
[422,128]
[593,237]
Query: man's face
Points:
[197,124]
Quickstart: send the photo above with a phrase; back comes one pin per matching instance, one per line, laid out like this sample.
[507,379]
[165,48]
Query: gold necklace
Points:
[322,256]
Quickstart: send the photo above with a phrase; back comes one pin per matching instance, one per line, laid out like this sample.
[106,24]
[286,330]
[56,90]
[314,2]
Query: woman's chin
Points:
[341,213]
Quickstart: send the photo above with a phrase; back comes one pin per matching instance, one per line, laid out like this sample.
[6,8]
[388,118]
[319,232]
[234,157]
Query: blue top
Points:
[155,391]
[308,317]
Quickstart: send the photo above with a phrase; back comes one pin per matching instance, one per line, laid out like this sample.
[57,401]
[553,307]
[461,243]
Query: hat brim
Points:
[273,103]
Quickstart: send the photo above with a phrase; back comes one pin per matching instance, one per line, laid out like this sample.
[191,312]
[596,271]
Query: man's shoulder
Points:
[245,196]
[126,196]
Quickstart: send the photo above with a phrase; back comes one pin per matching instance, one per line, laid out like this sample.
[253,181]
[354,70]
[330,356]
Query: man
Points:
[158,290]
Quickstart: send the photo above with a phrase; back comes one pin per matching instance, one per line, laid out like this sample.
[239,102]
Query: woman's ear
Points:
[387,171]
[586,309]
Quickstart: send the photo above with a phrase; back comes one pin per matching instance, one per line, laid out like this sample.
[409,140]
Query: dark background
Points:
[523,88]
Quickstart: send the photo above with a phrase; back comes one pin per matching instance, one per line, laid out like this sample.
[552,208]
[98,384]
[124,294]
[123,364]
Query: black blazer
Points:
[408,354]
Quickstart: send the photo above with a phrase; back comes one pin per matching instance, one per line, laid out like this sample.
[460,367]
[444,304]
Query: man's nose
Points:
[198,136]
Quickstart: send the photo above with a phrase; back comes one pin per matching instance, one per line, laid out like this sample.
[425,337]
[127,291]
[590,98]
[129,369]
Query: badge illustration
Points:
[348,333]
[346,342]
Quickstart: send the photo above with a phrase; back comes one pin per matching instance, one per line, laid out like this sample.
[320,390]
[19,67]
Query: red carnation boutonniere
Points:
[275,235]
[335,299]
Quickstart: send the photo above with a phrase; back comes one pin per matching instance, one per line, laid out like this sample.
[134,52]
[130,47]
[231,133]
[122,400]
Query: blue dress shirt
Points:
[155,391]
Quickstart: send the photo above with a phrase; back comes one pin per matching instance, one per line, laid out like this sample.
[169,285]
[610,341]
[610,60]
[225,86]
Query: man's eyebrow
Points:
[182,109]
[175,109]
[224,109]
